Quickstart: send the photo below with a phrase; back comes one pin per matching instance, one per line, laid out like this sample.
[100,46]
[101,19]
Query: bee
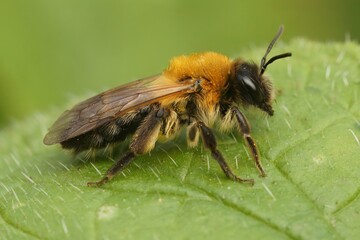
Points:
[197,91]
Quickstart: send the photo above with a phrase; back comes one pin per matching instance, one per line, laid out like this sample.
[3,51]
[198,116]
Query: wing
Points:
[114,103]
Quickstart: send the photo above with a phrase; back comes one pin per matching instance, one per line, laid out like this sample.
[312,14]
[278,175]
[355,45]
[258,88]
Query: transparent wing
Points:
[114,103]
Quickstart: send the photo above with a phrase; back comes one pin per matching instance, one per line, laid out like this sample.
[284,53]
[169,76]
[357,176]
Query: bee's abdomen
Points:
[110,132]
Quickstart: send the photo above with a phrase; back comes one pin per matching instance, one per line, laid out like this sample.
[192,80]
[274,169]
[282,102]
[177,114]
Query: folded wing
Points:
[114,103]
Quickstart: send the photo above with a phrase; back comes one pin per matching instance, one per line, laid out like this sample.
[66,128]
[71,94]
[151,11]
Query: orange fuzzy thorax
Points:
[212,68]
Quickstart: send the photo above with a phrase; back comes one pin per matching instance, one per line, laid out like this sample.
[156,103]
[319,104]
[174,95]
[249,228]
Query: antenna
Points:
[264,64]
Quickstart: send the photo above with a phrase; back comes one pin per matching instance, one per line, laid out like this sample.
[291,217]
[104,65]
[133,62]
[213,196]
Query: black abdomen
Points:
[110,132]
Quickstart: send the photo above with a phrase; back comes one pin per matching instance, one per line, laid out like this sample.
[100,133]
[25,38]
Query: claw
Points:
[244,180]
[98,183]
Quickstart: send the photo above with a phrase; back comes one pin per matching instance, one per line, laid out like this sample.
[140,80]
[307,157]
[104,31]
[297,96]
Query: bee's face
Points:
[253,88]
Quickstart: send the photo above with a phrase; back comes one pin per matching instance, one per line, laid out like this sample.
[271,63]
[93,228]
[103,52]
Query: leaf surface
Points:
[310,150]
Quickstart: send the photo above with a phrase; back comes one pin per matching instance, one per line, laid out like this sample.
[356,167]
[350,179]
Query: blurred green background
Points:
[52,50]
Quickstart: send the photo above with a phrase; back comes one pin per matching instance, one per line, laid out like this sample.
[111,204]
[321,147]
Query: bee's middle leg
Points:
[209,142]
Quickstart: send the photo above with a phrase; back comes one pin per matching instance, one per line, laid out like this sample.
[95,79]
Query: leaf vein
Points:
[15,226]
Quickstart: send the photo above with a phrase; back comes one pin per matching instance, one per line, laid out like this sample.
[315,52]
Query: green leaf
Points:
[310,150]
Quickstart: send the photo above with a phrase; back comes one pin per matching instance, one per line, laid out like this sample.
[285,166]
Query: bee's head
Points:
[251,86]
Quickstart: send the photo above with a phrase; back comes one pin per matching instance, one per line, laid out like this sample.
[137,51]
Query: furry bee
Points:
[195,91]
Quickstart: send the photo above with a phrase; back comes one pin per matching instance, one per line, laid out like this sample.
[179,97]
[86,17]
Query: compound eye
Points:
[249,82]
[245,74]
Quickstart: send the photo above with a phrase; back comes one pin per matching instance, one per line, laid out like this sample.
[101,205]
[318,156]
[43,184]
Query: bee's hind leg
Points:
[143,141]
[124,161]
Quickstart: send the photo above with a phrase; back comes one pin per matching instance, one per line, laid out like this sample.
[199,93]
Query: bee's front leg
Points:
[245,130]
